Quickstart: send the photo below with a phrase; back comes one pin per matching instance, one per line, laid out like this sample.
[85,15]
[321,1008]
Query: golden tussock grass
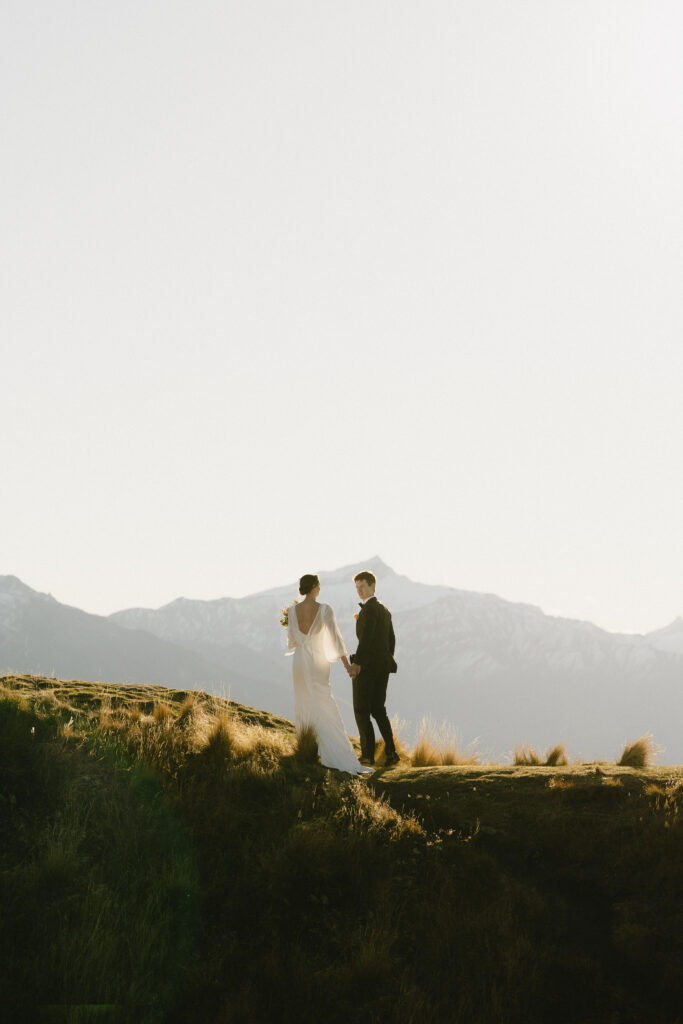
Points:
[263,748]
[104,714]
[214,732]
[306,747]
[238,743]
[161,713]
[222,740]
[189,712]
[553,757]
[557,756]
[526,755]
[639,754]
[66,730]
[359,808]
[439,746]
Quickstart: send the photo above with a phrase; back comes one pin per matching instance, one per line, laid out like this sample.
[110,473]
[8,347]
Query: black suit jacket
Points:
[376,640]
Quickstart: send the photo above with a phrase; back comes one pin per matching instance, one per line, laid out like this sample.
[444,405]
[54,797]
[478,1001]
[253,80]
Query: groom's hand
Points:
[354,670]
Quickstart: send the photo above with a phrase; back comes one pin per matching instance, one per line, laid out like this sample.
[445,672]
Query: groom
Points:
[370,668]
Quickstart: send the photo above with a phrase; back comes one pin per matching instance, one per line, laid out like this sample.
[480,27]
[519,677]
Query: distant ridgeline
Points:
[500,673]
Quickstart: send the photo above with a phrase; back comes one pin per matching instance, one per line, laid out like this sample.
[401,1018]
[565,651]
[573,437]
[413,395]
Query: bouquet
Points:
[284,620]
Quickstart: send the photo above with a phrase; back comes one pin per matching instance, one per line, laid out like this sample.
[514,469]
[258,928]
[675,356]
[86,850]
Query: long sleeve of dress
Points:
[291,636]
[334,642]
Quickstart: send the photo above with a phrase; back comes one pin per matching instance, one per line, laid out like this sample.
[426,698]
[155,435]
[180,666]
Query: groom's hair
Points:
[369,578]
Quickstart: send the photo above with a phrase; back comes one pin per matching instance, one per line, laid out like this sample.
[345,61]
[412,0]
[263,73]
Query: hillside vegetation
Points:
[169,856]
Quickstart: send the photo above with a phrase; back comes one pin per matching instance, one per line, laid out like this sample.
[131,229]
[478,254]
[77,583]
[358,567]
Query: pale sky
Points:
[285,285]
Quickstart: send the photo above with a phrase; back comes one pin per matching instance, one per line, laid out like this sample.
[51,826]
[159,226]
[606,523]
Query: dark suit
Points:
[375,655]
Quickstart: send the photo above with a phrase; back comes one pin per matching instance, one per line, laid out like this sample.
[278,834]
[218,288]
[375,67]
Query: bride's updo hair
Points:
[308,583]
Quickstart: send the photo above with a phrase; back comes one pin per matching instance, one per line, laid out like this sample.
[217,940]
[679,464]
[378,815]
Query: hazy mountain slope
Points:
[510,674]
[38,635]
[670,638]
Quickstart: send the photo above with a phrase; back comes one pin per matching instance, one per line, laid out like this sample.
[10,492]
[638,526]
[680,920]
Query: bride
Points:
[314,639]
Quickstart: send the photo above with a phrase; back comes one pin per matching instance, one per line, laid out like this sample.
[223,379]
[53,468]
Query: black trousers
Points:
[369,699]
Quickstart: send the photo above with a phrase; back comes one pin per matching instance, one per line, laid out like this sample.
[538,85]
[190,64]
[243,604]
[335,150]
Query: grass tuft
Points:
[557,756]
[359,809]
[306,748]
[526,755]
[639,754]
[66,730]
[188,713]
[222,744]
[425,753]
[438,746]
[553,758]
[162,714]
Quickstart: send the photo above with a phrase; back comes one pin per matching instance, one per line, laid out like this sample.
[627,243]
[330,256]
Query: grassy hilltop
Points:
[173,857]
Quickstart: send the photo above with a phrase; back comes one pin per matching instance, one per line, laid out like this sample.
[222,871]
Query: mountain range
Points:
[500,673]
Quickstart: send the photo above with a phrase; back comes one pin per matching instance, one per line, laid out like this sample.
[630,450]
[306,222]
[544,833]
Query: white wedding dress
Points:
[313,701]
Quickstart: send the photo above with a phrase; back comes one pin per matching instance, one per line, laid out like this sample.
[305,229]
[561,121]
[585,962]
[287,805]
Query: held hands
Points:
[352,669]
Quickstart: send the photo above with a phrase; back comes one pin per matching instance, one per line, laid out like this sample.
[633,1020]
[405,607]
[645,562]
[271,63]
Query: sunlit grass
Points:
[176,855]
[557,756]
[553,757]
[639,754]
[306,749]
[438,746]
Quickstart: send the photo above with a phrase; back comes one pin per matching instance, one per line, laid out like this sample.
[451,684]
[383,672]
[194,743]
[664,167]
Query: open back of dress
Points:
[313,701]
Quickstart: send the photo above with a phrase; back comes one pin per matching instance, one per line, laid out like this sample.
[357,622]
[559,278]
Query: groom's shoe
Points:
[392,759]
[366,761]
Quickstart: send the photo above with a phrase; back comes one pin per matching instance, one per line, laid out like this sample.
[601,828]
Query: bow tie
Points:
[361,604]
